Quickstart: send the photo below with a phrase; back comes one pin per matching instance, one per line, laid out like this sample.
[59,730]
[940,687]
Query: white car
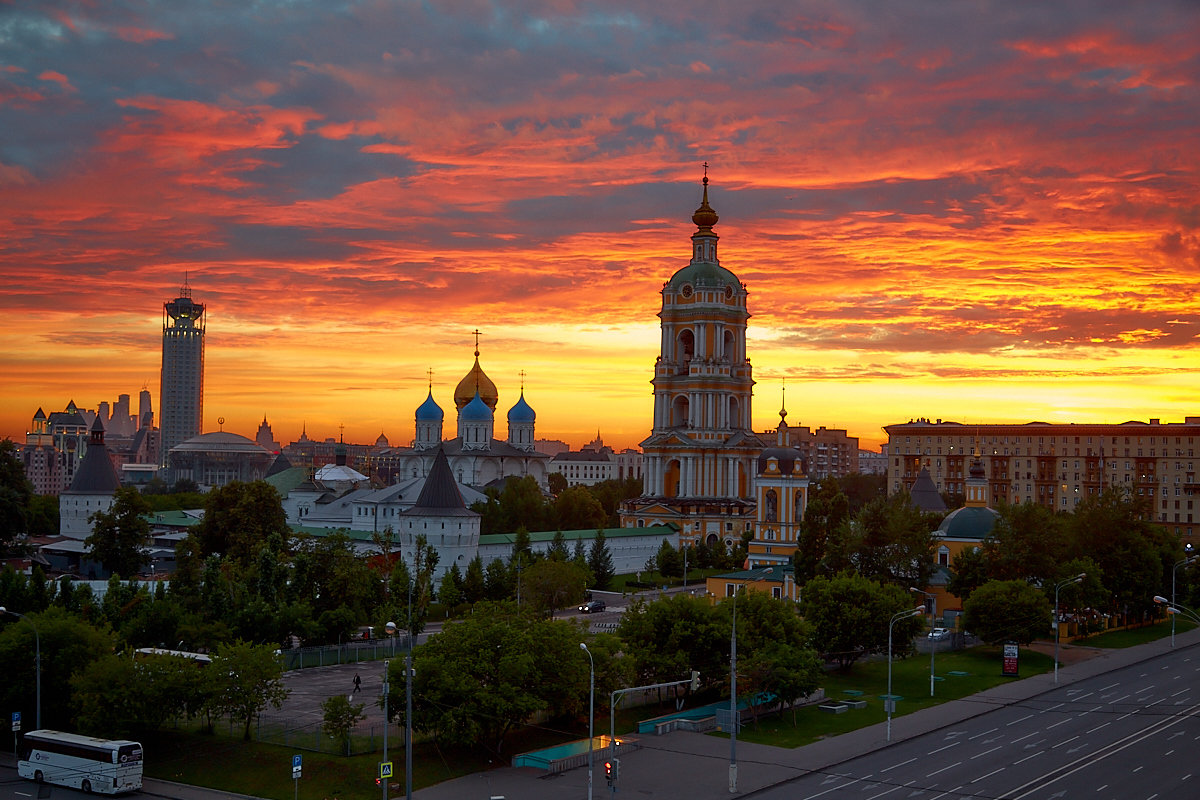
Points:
[938,634]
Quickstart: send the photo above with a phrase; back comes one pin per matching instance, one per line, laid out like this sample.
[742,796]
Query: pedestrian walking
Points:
[357,683]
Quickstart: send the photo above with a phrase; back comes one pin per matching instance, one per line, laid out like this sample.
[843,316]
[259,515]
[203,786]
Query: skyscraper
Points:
[181,397]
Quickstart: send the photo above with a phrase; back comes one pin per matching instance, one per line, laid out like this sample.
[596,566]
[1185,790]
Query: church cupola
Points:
[475,421]
[429,419]
[521,419]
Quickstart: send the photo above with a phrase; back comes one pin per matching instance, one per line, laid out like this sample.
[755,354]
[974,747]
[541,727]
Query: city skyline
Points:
[976,213]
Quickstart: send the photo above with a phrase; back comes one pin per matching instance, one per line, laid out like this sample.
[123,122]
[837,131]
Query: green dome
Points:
[971,522]
[704,274]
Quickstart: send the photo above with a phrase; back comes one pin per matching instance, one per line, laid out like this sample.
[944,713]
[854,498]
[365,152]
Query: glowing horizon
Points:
[938,212]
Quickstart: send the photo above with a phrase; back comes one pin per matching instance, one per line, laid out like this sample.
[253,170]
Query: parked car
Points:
[938,634]
[592,606]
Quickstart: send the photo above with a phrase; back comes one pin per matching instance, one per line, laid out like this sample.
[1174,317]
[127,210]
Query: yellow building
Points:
[962,529]
[781,489]
[699,460]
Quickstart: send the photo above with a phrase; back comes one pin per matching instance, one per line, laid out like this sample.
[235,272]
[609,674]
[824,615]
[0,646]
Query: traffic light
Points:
[608,772]
[695,680]
[616,769]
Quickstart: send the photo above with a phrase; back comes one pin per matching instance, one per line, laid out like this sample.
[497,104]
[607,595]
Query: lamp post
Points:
[1190,558]
[37,640]
[890,702]
[383,779]
[1077,579]
[733,707]
[932,619]
[591,711]
[1178,608]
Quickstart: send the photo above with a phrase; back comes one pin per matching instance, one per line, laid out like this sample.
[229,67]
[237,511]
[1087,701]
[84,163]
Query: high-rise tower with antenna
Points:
[181,397]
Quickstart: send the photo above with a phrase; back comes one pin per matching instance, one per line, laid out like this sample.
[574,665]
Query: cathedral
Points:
[476,458]
[701,456]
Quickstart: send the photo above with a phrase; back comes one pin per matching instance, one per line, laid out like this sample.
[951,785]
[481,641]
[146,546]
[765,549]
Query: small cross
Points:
[429,372]
[522,380]
[477,333]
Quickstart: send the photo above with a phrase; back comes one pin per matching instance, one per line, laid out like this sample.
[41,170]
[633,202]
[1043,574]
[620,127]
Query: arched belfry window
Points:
[772,506]
[685,345]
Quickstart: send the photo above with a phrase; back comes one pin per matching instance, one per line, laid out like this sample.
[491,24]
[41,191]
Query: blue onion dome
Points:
[521,412]
[429,411]
[476,410]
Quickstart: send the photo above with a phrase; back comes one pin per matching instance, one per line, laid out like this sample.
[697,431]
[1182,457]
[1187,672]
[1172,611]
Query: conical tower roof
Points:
[96,473]
[440,495]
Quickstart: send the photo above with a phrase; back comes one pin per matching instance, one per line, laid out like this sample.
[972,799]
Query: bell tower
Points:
[700,456]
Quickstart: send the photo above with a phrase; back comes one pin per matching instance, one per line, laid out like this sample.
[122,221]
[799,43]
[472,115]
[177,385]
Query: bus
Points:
[81,762]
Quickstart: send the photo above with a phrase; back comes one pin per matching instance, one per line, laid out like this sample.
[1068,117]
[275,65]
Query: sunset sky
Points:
[977,211]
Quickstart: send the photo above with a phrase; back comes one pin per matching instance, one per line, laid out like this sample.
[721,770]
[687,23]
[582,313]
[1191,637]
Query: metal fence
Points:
[346,653]
[366,738]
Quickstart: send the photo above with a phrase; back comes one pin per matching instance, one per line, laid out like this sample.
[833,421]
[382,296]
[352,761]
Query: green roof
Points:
[587,534]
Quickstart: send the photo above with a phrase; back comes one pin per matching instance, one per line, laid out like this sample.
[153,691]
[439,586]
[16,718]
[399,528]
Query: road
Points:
[1125,735]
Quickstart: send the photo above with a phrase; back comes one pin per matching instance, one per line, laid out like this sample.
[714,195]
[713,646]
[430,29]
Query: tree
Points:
[450,590]
[774,656]
[1028,543]
[339,718]
[68,646]
[1134,555]
[120,694]
[828,509]
[673,635]
[575,509]
[550,585]
[483,675]
[860,489]
[850,615]
[247,679]
[969,571]
[668,560]
[557,483]
[239,517]
[1001,611]
[600,562]
[121,534]
[558,547]
[474,582]
[893,541]
[16,494]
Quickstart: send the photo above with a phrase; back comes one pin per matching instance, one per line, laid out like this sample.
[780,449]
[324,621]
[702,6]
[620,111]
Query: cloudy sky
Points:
[979,211]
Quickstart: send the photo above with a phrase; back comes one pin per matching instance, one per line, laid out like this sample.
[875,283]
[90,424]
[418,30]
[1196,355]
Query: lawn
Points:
[1131,637]
[910,680]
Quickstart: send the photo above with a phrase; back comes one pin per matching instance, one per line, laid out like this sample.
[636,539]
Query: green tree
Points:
[120,695]
[474,582]
[68,646]
[121,534]
[828,509]
[551,585]
[339,718]
[1001,611]
[16,494]
[850,615]
[968,571]
[558,548]
[668,560]
[557,483]
[893,541]
[248,678]
[600,562]
[775,659]
[499,582]
[671,636]
[43,515]
[450,590]
[484,675]
[575,509]
[239,517]
[860,489]
[1028,543]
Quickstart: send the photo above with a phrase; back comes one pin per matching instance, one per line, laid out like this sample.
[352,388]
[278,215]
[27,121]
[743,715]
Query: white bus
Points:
[81,762]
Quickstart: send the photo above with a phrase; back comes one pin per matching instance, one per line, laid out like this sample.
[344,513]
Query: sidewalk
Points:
[696,766]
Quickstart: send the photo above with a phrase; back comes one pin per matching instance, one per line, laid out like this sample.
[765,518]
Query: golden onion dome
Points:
[705,217]
[476,381]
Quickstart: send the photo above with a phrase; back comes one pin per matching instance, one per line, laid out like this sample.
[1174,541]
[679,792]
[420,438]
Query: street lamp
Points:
[1174,569]
[37,639]
[932,619]
[591,711]
[890,702]
[1077,579]
[733,707]
[1178,608]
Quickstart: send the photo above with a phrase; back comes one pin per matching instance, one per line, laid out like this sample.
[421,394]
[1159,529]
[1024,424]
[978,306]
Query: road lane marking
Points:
[1061,771]
[893,766]
[1022,719]
[945,747]
[990,774]
[1026,736]
[1098,727]
[985,733]
[985,752]
[943,769]
[1026,758]
[1060,722]
[948,791]
[1065,741]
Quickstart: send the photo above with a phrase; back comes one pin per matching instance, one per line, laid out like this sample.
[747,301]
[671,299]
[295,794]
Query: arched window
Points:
[772,510]
[685,345]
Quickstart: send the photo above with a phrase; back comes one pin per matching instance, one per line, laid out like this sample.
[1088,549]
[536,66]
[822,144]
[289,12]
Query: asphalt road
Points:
[1131,734]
